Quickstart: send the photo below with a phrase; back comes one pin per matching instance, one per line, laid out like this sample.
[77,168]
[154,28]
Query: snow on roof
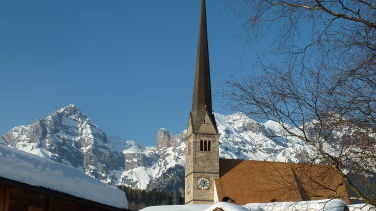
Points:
[228,207]
[30,169]
[325,205]
[196,207]
[317,205]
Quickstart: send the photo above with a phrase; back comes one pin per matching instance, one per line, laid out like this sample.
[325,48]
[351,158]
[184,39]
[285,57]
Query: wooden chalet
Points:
[30,183]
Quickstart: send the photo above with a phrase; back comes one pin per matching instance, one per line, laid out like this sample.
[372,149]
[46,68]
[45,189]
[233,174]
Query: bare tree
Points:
[325,85]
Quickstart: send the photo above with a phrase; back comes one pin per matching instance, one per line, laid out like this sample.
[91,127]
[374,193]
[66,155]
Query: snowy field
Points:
[319,205]
[33,170]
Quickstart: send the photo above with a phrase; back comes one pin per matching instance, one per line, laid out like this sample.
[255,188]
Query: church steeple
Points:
[202,99]
[202,137]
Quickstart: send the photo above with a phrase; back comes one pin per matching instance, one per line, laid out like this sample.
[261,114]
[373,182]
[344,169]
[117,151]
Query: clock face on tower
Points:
[203,183]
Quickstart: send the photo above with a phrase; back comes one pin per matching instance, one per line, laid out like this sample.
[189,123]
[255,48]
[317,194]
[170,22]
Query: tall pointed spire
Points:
[202,100]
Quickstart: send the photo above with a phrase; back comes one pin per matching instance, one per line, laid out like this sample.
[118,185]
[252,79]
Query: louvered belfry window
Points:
[205,146]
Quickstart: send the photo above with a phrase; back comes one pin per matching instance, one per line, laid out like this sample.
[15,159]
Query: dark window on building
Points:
[201,145]
[205,146]
[209,146]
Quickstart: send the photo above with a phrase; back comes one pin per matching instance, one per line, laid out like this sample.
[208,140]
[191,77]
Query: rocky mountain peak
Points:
[68,136]
[71,111]
[163,138]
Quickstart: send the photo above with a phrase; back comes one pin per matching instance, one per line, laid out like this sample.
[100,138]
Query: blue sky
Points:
[128,65]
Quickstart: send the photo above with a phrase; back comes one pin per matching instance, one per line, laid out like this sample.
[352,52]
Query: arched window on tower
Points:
[201,145]
[205,146]
[209,146]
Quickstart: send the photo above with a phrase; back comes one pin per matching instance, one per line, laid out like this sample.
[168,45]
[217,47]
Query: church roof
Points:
[202,99]
[248,181]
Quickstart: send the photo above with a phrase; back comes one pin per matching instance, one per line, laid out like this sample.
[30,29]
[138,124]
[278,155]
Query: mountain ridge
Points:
[70,137]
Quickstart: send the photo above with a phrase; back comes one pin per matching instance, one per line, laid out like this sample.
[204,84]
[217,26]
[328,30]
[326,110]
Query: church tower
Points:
[202,137]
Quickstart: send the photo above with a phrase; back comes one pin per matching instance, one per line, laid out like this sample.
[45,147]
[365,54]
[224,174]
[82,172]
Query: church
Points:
[210,179]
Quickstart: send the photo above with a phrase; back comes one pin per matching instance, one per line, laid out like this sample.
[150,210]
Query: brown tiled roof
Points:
[247,181]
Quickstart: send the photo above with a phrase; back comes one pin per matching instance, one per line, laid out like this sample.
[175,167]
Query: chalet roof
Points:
[40,172]
[248,181]
[202,99]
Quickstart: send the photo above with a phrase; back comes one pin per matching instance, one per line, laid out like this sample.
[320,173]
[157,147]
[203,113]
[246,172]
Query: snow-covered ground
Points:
[362,207]
[197,207]
[325,205]
[33,170]
[318,205]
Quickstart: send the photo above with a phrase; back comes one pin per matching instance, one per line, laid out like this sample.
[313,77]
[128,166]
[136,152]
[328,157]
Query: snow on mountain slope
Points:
[69,137]
[145,166]
[244,138]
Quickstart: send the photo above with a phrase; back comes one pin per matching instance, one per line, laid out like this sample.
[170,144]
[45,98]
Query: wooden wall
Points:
[3,198]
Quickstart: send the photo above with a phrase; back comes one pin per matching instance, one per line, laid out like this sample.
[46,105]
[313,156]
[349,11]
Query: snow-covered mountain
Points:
[69,137]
